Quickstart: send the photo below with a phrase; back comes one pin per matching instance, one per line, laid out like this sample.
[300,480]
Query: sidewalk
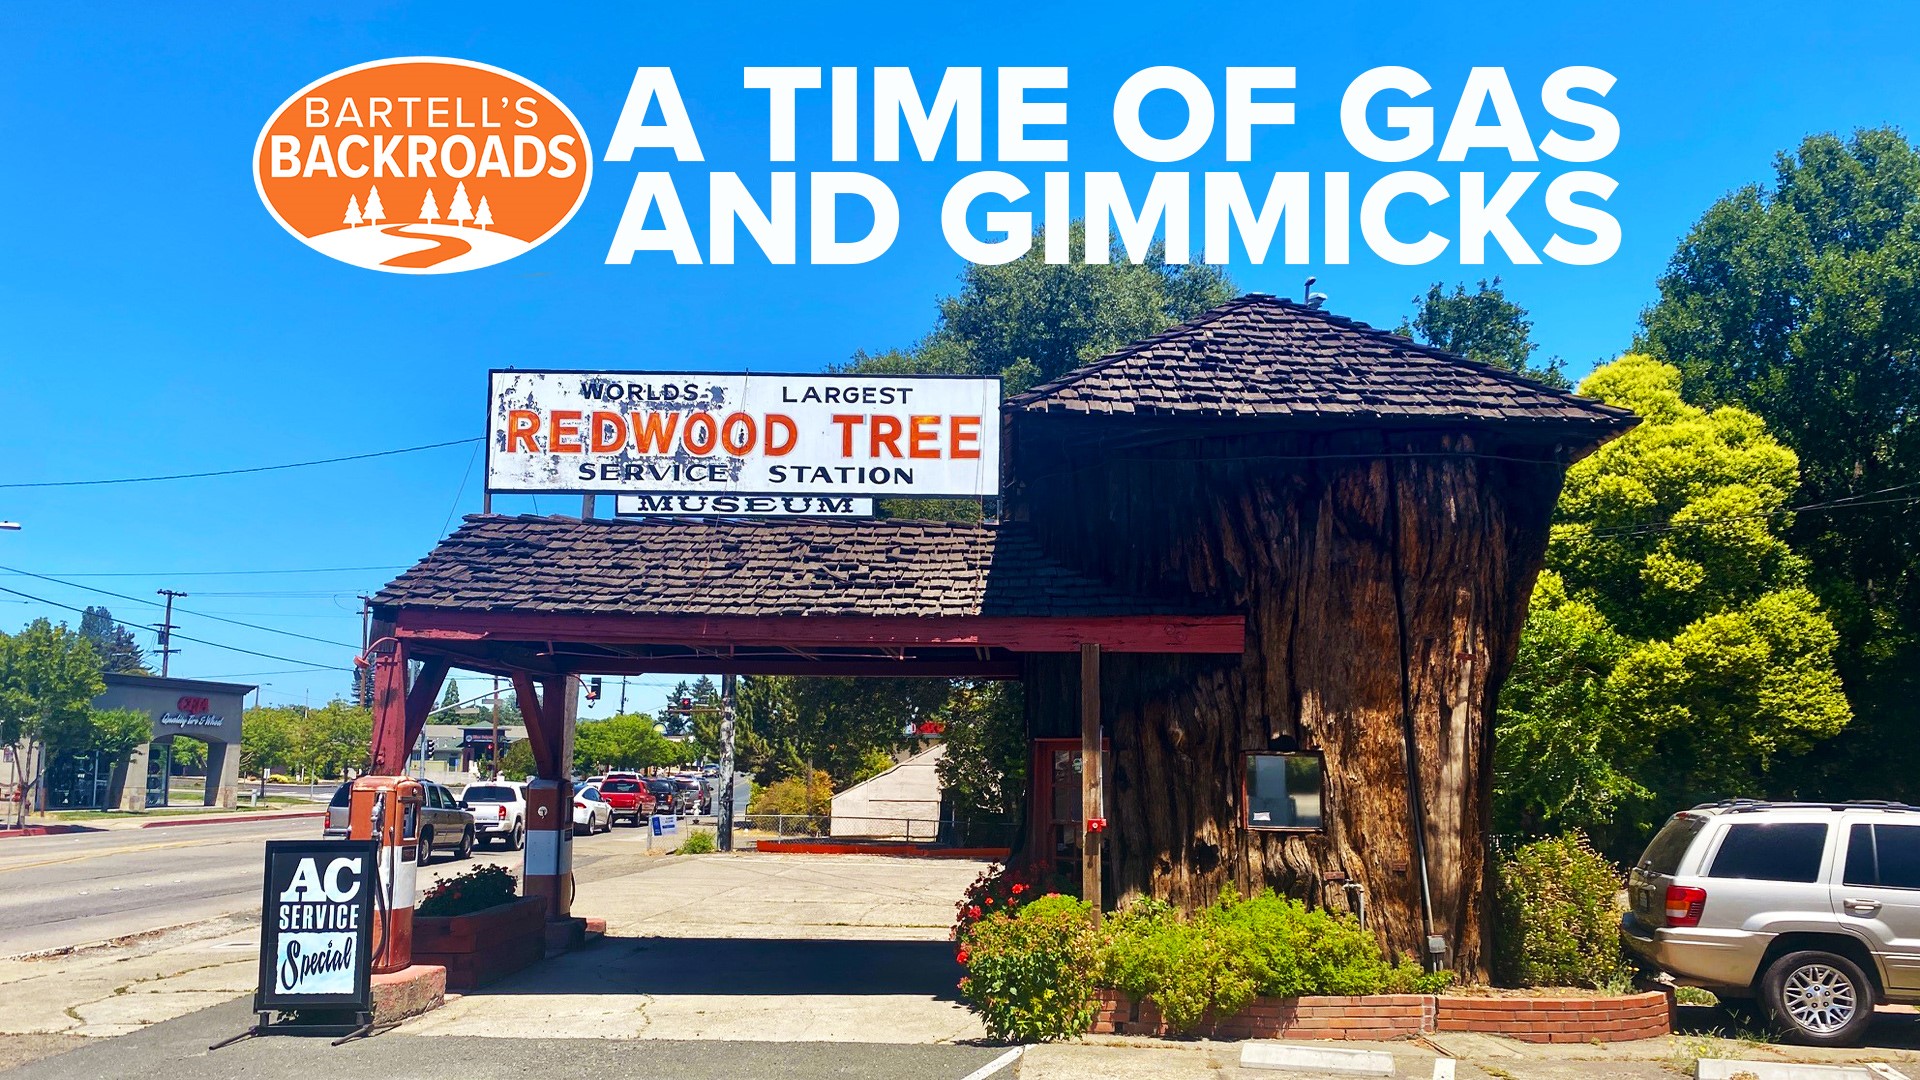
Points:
[53,824]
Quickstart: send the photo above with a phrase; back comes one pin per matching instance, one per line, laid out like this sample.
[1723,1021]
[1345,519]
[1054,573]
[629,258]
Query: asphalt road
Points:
[81,888]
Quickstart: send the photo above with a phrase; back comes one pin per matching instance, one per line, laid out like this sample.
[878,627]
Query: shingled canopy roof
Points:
[1260,356]
[665,594]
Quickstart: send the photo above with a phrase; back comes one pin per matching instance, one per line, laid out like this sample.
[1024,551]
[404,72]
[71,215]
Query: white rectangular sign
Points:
[743,506]
[739,434]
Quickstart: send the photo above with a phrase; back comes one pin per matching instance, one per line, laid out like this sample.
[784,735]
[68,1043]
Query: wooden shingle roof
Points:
[1260,356]
[762,567]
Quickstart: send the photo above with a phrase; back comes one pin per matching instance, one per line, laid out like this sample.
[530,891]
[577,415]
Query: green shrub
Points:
[1030,975]
[698,843]
[463,894]
[1216,962]
[1557,917]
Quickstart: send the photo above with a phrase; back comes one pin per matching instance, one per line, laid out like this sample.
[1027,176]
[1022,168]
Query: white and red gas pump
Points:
[387,809]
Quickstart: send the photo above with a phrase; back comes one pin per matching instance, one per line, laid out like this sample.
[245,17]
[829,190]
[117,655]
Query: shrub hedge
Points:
[1033,970]
[1557,917]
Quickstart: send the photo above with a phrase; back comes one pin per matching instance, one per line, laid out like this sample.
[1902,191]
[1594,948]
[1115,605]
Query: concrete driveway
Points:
[749,947]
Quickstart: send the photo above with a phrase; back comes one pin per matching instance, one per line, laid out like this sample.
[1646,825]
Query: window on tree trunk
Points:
[1283,791]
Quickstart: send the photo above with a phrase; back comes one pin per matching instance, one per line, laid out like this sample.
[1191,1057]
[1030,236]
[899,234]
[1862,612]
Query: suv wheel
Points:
[1819,998]
[426,846]
[465,850]
[519,838]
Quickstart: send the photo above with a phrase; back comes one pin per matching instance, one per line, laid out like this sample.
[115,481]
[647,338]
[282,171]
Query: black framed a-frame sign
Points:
[316,930]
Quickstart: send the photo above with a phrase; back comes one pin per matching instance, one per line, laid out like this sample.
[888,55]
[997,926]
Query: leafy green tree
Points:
[49,676]
[114,643]
[118,732]
[332,740]
[626,741]
[1030,320]
[269,738]
[1672,653]
[517,763]
[452,697]
[984,771]
[1482,325]
[1800,300]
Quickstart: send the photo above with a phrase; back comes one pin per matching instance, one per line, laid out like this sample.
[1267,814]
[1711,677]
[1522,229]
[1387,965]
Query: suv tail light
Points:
[1684,903]
[502,811]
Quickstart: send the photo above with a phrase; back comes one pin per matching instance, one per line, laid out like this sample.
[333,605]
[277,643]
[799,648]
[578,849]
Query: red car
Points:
[627,796]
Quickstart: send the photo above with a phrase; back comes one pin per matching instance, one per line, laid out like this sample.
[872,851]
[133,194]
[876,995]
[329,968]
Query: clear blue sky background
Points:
[154,319]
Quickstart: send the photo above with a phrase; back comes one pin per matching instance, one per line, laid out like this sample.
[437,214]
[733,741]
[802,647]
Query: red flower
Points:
[961,956]
[989,901]
[973,911]
[1018,889]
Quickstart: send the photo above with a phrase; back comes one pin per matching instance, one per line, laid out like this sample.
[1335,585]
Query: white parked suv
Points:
[1813,910]
[499,811]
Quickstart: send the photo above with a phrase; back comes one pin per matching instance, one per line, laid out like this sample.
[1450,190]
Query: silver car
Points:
[1812,910]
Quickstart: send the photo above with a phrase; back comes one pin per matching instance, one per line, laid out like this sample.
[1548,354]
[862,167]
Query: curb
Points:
[168,823]
[43,830]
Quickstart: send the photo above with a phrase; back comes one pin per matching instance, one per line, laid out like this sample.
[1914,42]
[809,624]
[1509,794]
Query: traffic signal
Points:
[686,706]
[593,688]
[429,747]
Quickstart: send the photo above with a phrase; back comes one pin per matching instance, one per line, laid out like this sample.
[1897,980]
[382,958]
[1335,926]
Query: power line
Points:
[183,611]
[183,637]
[238,472]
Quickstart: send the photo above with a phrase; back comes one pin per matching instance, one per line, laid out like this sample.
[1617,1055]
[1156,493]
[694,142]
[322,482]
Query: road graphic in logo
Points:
[422,165]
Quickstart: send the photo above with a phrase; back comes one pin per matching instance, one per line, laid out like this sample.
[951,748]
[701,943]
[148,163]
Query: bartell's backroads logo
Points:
[422,165]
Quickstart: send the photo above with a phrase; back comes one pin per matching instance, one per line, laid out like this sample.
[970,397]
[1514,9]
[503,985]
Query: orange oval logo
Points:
[422,165]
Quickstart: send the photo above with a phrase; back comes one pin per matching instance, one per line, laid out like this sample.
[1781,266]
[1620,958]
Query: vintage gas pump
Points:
[387,809]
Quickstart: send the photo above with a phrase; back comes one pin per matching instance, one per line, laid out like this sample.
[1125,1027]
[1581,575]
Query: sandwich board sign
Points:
[316,930]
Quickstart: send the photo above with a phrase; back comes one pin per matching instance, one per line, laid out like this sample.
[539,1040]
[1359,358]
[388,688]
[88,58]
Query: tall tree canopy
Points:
[1672,652]
[115,644]
[1481,325]
[1800,301]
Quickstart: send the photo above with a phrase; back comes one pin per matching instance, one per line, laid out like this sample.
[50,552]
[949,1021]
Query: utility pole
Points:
[496,728]
[586,507]
[363,673]
[723,796]
[166,631]
[623,695]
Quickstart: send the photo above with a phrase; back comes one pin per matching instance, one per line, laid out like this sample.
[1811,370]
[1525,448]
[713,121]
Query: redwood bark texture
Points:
[1383,573]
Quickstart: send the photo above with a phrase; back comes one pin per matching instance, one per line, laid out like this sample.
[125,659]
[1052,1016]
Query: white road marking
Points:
[996,1064]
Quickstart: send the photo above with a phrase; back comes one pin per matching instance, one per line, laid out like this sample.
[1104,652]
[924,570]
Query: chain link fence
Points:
[951,832]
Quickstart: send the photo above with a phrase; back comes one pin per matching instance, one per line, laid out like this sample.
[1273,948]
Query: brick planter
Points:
[1559,1020]
[1397,1016]
[476,949]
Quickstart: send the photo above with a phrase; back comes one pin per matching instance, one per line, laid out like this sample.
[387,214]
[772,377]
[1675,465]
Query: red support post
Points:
[390,743]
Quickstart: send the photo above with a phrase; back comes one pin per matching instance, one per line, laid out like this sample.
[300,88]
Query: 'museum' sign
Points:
[743,506]
[316,930]
[739,434]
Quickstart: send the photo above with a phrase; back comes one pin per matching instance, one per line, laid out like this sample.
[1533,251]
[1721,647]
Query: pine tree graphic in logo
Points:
[495,164]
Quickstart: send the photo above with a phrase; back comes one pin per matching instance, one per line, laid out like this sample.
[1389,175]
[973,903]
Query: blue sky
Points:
[156,320]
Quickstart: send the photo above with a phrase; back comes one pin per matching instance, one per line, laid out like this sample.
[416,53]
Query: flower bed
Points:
[1040,968]
[473,926]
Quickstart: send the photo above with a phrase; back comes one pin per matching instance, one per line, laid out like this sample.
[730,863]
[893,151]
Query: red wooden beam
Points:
[426,687]
[539,730]
[1121,633]
[389,750]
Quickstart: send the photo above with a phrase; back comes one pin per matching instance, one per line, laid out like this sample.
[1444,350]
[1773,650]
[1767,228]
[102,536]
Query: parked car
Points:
[444,824]
[666,795]
[335,827]
[1812,910]
[627,797]
[591,814]
[499,812]
[691,794]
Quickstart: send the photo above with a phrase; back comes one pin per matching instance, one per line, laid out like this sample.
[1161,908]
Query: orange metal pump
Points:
[387,809]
